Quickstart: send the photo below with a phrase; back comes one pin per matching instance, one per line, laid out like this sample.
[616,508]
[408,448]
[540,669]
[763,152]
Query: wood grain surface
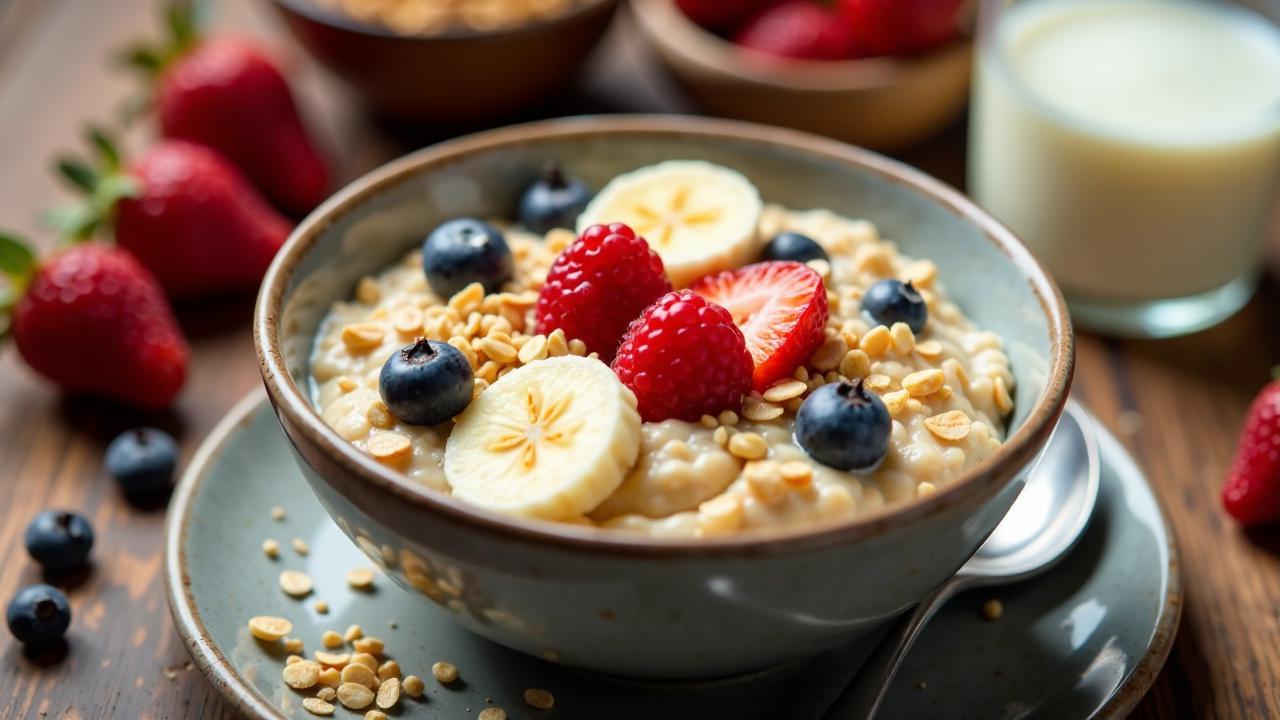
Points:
[1176,404]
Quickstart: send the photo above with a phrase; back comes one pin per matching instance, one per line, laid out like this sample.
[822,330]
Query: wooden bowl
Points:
[883,103]
[460,78]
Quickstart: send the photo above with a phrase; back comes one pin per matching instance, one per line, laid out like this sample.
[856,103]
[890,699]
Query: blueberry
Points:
[464,251]
[38,615]
[844,426]
[142,461]
[553,202]
[59,540]
[890,301]
[426,383]
[794,246]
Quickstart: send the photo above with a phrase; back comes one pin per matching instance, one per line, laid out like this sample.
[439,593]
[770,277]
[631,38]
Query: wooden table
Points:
[1176,404]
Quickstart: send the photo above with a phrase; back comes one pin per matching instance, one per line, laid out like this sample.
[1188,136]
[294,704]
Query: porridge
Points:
[710,365]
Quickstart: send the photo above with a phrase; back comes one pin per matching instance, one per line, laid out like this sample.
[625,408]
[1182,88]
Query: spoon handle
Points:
[861,698]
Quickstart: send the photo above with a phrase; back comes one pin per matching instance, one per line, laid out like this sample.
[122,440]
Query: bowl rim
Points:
[671,32]
[294,405]
[317,13]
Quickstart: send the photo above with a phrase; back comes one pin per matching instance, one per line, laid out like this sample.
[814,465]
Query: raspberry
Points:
[598,285]
[684,358]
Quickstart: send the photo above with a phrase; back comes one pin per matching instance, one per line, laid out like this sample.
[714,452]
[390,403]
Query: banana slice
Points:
[701,218]
[549,440]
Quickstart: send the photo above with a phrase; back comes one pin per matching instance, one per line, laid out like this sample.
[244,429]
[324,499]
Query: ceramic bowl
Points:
[883,103]
[633,605]
[455,79]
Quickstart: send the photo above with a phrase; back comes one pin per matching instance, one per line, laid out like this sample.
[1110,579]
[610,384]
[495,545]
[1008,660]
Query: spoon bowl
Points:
[1044,523]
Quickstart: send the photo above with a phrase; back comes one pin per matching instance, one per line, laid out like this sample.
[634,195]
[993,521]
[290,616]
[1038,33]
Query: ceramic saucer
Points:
[1084,640]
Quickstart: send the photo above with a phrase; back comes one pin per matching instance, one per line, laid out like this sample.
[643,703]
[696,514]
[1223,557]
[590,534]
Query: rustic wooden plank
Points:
[1189,393]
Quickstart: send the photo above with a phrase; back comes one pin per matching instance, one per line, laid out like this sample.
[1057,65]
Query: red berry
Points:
[197,224]
[598,285]
[229,95]
[719,14]
[798,29]
[900,27]
[781,307]
[684,358]
[94,321]
[1252,491]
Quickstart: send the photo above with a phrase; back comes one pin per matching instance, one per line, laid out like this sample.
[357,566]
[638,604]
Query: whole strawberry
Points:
[1252,490]
[799,29]
[183,211]
[229,94]
[94,321]
[598,285]
[900,27]
[684,358]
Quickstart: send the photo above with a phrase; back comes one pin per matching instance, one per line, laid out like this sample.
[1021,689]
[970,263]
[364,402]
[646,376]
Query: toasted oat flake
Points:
[929,349]
[370,644]
[720,515]
[445,672]
[271,548]
[878,382]
[796,473]
[413,686]
[293,645]
[855,364]
[926,488]
[355,696]
[785,390]
[895,401]
[388,693]
[333,660]
[270,628]
[1000,395]
[316,706]
[389,447]
[904,341]
[321,607]
[828,355]
[492,713]
[728,418]
[354,632]
[389,669]
[360,578]
[757,410]
[302,674]
[375,715]
[539,699]
[950,425]
[364,658]
[327,693]
[277,513]
[720,436]
[293,659]
[876,341]
[295,583]
[533,349]
[362,337]
[359,674]
[748,446]
[330,677]
[331,639]
[924,382]
[407,321]
[300,546]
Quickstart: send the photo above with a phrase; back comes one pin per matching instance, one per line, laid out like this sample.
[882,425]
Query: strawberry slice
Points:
[781,308]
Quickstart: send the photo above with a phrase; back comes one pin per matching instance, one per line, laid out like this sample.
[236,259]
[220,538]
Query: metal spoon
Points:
[1044,523]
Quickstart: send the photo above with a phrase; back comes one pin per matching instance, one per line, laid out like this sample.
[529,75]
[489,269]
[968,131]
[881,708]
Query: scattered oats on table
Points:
[445,672]
[331,639]
[300,546]
[992,609]
[295,583]
[493,713]
[322,607]
[360,578]
[277,513]
[267,627]
[271,548]
[413,686]
[539,698]
[316,706]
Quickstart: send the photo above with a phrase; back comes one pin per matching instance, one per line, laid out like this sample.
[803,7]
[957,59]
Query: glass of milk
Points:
[1134,145]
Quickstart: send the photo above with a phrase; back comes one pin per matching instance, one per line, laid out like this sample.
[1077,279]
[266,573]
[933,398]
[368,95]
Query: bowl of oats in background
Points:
[450,63]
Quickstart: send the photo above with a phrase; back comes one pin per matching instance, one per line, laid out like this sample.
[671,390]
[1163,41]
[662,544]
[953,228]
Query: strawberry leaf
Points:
[182,17]
[104,147]
[16,258]
[79,174]
[74,222]
[142,57]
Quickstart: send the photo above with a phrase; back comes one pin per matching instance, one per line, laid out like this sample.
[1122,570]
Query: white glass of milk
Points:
[1134,145]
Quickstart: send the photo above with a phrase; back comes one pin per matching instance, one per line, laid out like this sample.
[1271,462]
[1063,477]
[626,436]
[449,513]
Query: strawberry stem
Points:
[103,183]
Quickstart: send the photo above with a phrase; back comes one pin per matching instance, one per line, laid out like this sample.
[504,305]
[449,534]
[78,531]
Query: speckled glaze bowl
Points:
[633,605]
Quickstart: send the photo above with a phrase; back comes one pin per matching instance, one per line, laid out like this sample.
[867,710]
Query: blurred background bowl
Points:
[456,79]
[886,103]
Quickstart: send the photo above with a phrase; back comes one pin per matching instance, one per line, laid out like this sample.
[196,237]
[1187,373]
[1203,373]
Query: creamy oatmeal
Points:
[946,388]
